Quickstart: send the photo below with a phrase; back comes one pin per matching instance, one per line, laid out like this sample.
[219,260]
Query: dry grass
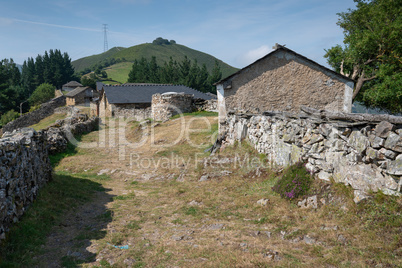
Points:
[168,218]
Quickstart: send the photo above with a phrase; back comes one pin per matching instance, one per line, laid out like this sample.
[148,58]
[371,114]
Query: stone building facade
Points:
[80,95]
[283,81]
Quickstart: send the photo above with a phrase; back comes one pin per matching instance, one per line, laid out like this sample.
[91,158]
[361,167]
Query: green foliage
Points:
[8,117]
[294,182]
[10,89]
[161,41]
[88,81]
[373,51]
[186,73]
[42,93]
[53,68]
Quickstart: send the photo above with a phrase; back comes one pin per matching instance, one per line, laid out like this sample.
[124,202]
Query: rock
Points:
[395,167]
[308,240]
[359,142]
[359,196]
[263,201]
[383,128]
[272,255]
[393,142]
[310,202]
[384,153]
[341,239]
[103,171]
[323,175]
[204,178]
[376,142]
[195,203]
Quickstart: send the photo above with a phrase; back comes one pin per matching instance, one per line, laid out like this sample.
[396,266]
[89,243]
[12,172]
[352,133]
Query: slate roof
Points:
[72,84]
[76,91]
[142,93]
[286,50]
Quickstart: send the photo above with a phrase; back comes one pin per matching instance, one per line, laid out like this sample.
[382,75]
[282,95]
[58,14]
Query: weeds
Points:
[294,182]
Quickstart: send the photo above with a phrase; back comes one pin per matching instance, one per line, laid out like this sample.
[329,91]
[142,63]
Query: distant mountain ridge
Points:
[162,52]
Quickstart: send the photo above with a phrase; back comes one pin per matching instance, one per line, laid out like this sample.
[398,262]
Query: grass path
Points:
[167,204]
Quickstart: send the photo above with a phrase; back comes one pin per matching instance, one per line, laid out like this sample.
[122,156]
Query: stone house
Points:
[284,80]
[71,86]
[135,100]
[80,95]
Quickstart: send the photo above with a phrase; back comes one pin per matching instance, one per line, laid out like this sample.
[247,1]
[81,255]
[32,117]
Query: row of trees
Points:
[372,52]
[34,84]
[186,73]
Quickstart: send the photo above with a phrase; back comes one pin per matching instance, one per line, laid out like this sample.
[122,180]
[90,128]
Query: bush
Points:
[294,182]
[8,117]
[42,93]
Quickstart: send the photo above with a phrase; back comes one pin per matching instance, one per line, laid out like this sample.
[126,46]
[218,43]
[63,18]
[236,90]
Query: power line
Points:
[105,45]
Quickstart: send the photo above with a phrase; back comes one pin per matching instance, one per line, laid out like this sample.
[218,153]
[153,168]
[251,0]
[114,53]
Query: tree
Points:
[372,54]
[42,93]
[8,117]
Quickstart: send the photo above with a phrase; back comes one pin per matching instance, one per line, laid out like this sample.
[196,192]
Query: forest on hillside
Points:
[187,73]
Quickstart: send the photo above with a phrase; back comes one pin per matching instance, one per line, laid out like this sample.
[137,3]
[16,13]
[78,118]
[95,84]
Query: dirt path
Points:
[166,206]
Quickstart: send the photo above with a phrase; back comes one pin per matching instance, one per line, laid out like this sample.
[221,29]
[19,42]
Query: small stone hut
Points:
[80,95]
[71,86]
[284,80]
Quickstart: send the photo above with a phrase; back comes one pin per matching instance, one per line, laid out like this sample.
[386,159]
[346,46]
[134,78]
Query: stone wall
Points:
[25,165]
[361,150]
[45,110]
[167,105]
[25,168]
[206,105]
[138,112]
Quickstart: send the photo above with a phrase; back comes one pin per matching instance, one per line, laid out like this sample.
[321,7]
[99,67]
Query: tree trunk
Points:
[359,85]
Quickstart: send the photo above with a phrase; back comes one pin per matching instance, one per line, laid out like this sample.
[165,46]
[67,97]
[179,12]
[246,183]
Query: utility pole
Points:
[105,46]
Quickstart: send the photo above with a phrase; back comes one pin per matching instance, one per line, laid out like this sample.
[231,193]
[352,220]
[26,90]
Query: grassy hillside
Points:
[161,52]
[86,62]
[119,72]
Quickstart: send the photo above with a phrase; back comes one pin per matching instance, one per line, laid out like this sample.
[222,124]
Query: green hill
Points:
[86,62]
[162,52]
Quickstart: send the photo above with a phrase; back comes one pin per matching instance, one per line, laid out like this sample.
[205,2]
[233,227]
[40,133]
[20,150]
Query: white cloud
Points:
[254,54]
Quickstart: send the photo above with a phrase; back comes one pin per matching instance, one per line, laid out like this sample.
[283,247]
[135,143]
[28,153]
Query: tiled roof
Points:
[72,84]
[142,93]
[286,50]
[76,91]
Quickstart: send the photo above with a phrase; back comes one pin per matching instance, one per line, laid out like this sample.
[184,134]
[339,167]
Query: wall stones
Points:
[25,168]
[363,154]
[167,105]
[25,165]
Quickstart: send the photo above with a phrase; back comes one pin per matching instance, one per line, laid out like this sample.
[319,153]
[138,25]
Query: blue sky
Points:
[236,31]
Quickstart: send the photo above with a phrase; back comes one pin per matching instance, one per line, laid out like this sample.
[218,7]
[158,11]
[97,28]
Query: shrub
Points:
[8,117]
[294,182]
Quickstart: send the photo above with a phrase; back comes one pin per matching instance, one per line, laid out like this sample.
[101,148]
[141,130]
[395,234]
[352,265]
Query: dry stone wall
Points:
[25,165]
[25,168]
[167,105]
[45,110]
[366,154]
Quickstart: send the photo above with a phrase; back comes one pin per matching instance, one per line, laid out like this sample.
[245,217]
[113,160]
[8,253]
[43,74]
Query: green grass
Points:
[119,72]
[64,193]
[196,114]
[46,122]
